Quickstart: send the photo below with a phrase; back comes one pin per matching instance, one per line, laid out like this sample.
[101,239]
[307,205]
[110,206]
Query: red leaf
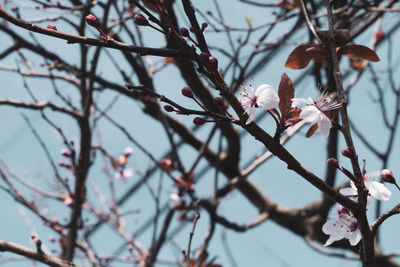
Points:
[342,37]
[312,130]
[303,54]
[286,94]
[359,51]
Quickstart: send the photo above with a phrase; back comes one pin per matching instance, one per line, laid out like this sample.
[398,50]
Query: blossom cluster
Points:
[315,112]
[345,225]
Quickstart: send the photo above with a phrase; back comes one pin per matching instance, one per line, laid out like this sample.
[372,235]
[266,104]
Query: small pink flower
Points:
[345,225]
[314,111]
[264,97]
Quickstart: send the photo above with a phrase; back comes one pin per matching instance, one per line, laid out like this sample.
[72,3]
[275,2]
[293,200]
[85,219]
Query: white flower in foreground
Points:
[376,190]
[265,98]
[314,111]
[343,226]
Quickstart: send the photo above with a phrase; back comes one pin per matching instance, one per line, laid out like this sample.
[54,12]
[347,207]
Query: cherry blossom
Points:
[264,97]
[376,190]
[345,225]
[124,174]
[315,111]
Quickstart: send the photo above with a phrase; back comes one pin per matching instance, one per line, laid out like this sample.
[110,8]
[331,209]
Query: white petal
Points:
[354,237]
[349,191]
[246,102]
[127,173]
[378,190]
[310,114]
[251,115]
[297,101]
[266,97]
[324,125]
[334,228]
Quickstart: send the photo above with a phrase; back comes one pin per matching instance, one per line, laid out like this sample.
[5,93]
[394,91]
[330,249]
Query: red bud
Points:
[184,32]
[140,20]
[168,108]
[348,152]
[91,20]
[333,163]
[213,64]
[388,176]
[199,121]
[186,91]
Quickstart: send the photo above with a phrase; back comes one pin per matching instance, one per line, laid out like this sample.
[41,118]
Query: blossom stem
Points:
[198,103]
[275,119]
[157,29]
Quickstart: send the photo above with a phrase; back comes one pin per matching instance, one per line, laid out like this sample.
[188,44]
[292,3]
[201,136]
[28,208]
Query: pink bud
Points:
[91,20]
[333,163]
[66,153]
[184,32]
[204,25]
[348,152]
[186,91]
[140,20]
[213,64]
[52,27]
[388,176]
[199,121]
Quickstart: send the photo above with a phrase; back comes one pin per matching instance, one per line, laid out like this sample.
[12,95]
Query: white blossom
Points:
[376,190]
[345,225]
[314,111]
[265,98]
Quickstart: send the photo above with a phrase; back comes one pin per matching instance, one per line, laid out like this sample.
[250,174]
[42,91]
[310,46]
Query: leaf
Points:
[342,37]
[312,130]
[359,51]
[303,54]
[286,94]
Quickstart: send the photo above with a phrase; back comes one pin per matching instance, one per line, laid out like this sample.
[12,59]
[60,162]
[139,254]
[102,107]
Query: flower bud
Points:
[204,25]
[140,20]
[204,58]
[333,163]
[213,64]
[199,121]
[193,29]
[91,20]
[388,176]
[186,91]
[184,32]
[52,27]
[348,152]
[168,108]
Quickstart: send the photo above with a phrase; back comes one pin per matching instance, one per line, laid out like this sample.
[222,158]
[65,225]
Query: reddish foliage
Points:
[286,94]
[303,54]
[359,51]
[312,130]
